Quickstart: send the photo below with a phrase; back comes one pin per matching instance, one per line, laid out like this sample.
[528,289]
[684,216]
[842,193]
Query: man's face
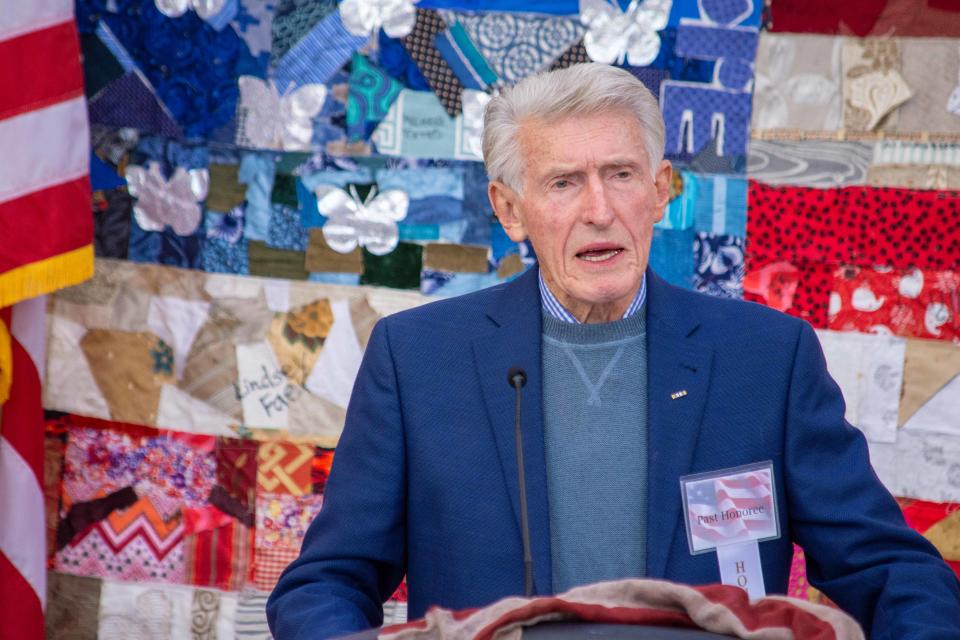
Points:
[588,207]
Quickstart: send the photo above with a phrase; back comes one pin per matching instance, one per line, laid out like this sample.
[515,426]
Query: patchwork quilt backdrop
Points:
[271,177]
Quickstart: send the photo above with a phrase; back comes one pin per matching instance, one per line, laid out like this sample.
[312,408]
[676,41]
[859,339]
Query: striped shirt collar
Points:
[553,308]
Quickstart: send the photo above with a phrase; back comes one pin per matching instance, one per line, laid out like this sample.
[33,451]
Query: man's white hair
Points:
[582,89]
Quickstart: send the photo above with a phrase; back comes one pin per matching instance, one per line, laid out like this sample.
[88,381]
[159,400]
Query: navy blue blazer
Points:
[424,480]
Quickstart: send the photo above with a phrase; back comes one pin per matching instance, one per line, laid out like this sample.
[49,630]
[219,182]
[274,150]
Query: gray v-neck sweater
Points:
[595,437]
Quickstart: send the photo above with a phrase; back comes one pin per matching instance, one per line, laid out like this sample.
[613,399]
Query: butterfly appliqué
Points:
[204,8]
[614,35]
[267,120]
[366,17]
[162,202]
[370,223]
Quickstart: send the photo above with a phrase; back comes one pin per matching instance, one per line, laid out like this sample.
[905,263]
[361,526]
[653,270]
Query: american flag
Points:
[46,243]
[732,508]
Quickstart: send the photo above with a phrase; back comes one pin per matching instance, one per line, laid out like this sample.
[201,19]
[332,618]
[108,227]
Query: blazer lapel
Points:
[514,340]
[679,375]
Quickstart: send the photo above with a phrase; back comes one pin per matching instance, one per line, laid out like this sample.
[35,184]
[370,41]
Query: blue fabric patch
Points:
[128,102]
[720,265]
[720,204]
[285,230]
[453,231]
[418,232]
[476,204]
[434,210]
[671,255]
[703,103]
[221,256]
[171,154]
[319,54]
[444,284]
[165,247]
[192,66]
[423,182]
[102,175]
[349,279]
[396,61]
[257,171]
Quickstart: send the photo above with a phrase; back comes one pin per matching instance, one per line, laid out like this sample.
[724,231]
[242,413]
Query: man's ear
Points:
[661,180]
[506,205]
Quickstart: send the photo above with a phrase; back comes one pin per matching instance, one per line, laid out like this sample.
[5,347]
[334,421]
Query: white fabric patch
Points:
[336,369]
[869,370]
[177,322]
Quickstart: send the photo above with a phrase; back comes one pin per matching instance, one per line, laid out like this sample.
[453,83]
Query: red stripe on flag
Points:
[45,69]
[22,426]
[46,223]
[24,619]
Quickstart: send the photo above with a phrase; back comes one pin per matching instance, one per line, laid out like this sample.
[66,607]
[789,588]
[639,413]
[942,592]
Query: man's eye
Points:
[623,175]
[561,184]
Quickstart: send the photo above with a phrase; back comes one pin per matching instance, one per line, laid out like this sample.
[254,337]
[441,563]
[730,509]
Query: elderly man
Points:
[632,384]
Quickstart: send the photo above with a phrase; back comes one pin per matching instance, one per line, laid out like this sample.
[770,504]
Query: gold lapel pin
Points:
[678,394]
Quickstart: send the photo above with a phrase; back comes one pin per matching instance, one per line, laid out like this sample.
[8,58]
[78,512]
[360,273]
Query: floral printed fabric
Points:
[910,302]
[719,265]
[169,473]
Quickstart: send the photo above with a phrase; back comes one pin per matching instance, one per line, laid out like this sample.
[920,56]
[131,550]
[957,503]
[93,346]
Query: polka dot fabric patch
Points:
[864,226]
[439,75]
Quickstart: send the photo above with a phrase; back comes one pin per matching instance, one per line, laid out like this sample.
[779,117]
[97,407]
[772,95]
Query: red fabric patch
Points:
[908,302]
[868,17]
[818,230]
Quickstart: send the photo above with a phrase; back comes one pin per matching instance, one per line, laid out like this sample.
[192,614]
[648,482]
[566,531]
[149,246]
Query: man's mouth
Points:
[599,254]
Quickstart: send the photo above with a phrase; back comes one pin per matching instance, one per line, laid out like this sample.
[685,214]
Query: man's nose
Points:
[597,209]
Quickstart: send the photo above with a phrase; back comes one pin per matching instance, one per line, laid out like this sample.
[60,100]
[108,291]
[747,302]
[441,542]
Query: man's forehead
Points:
[612,137]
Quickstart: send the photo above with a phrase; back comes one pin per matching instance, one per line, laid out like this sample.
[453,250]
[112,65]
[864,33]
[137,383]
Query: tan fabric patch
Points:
[510,265]
[276,263]
[872,84]
[931,66]
[73,607]
[364,318]
[914,176]
[929,365]
[457,258]
[316,418]
[129,369]
[297,338]
[226,192]
[945,536]
[321,258]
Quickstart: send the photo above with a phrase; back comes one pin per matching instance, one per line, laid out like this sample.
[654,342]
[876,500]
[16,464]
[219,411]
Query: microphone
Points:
[517,378]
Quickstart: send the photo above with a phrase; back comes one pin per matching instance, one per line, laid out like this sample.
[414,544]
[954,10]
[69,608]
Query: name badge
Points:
[731,511]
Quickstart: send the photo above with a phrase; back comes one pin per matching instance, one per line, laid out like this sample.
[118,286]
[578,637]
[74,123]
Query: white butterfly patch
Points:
[614,35]
[267,120]
[366,17]
[370,223]
[162,203]
[204,8]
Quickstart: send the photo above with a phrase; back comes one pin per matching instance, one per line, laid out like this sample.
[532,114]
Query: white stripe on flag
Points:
[48,147]
[24,523]
[22,16]
[29,328]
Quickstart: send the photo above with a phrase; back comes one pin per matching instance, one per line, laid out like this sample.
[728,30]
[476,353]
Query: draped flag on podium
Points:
[46,243]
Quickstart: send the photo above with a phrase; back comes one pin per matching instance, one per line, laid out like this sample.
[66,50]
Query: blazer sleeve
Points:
[353,555]
[859,549]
